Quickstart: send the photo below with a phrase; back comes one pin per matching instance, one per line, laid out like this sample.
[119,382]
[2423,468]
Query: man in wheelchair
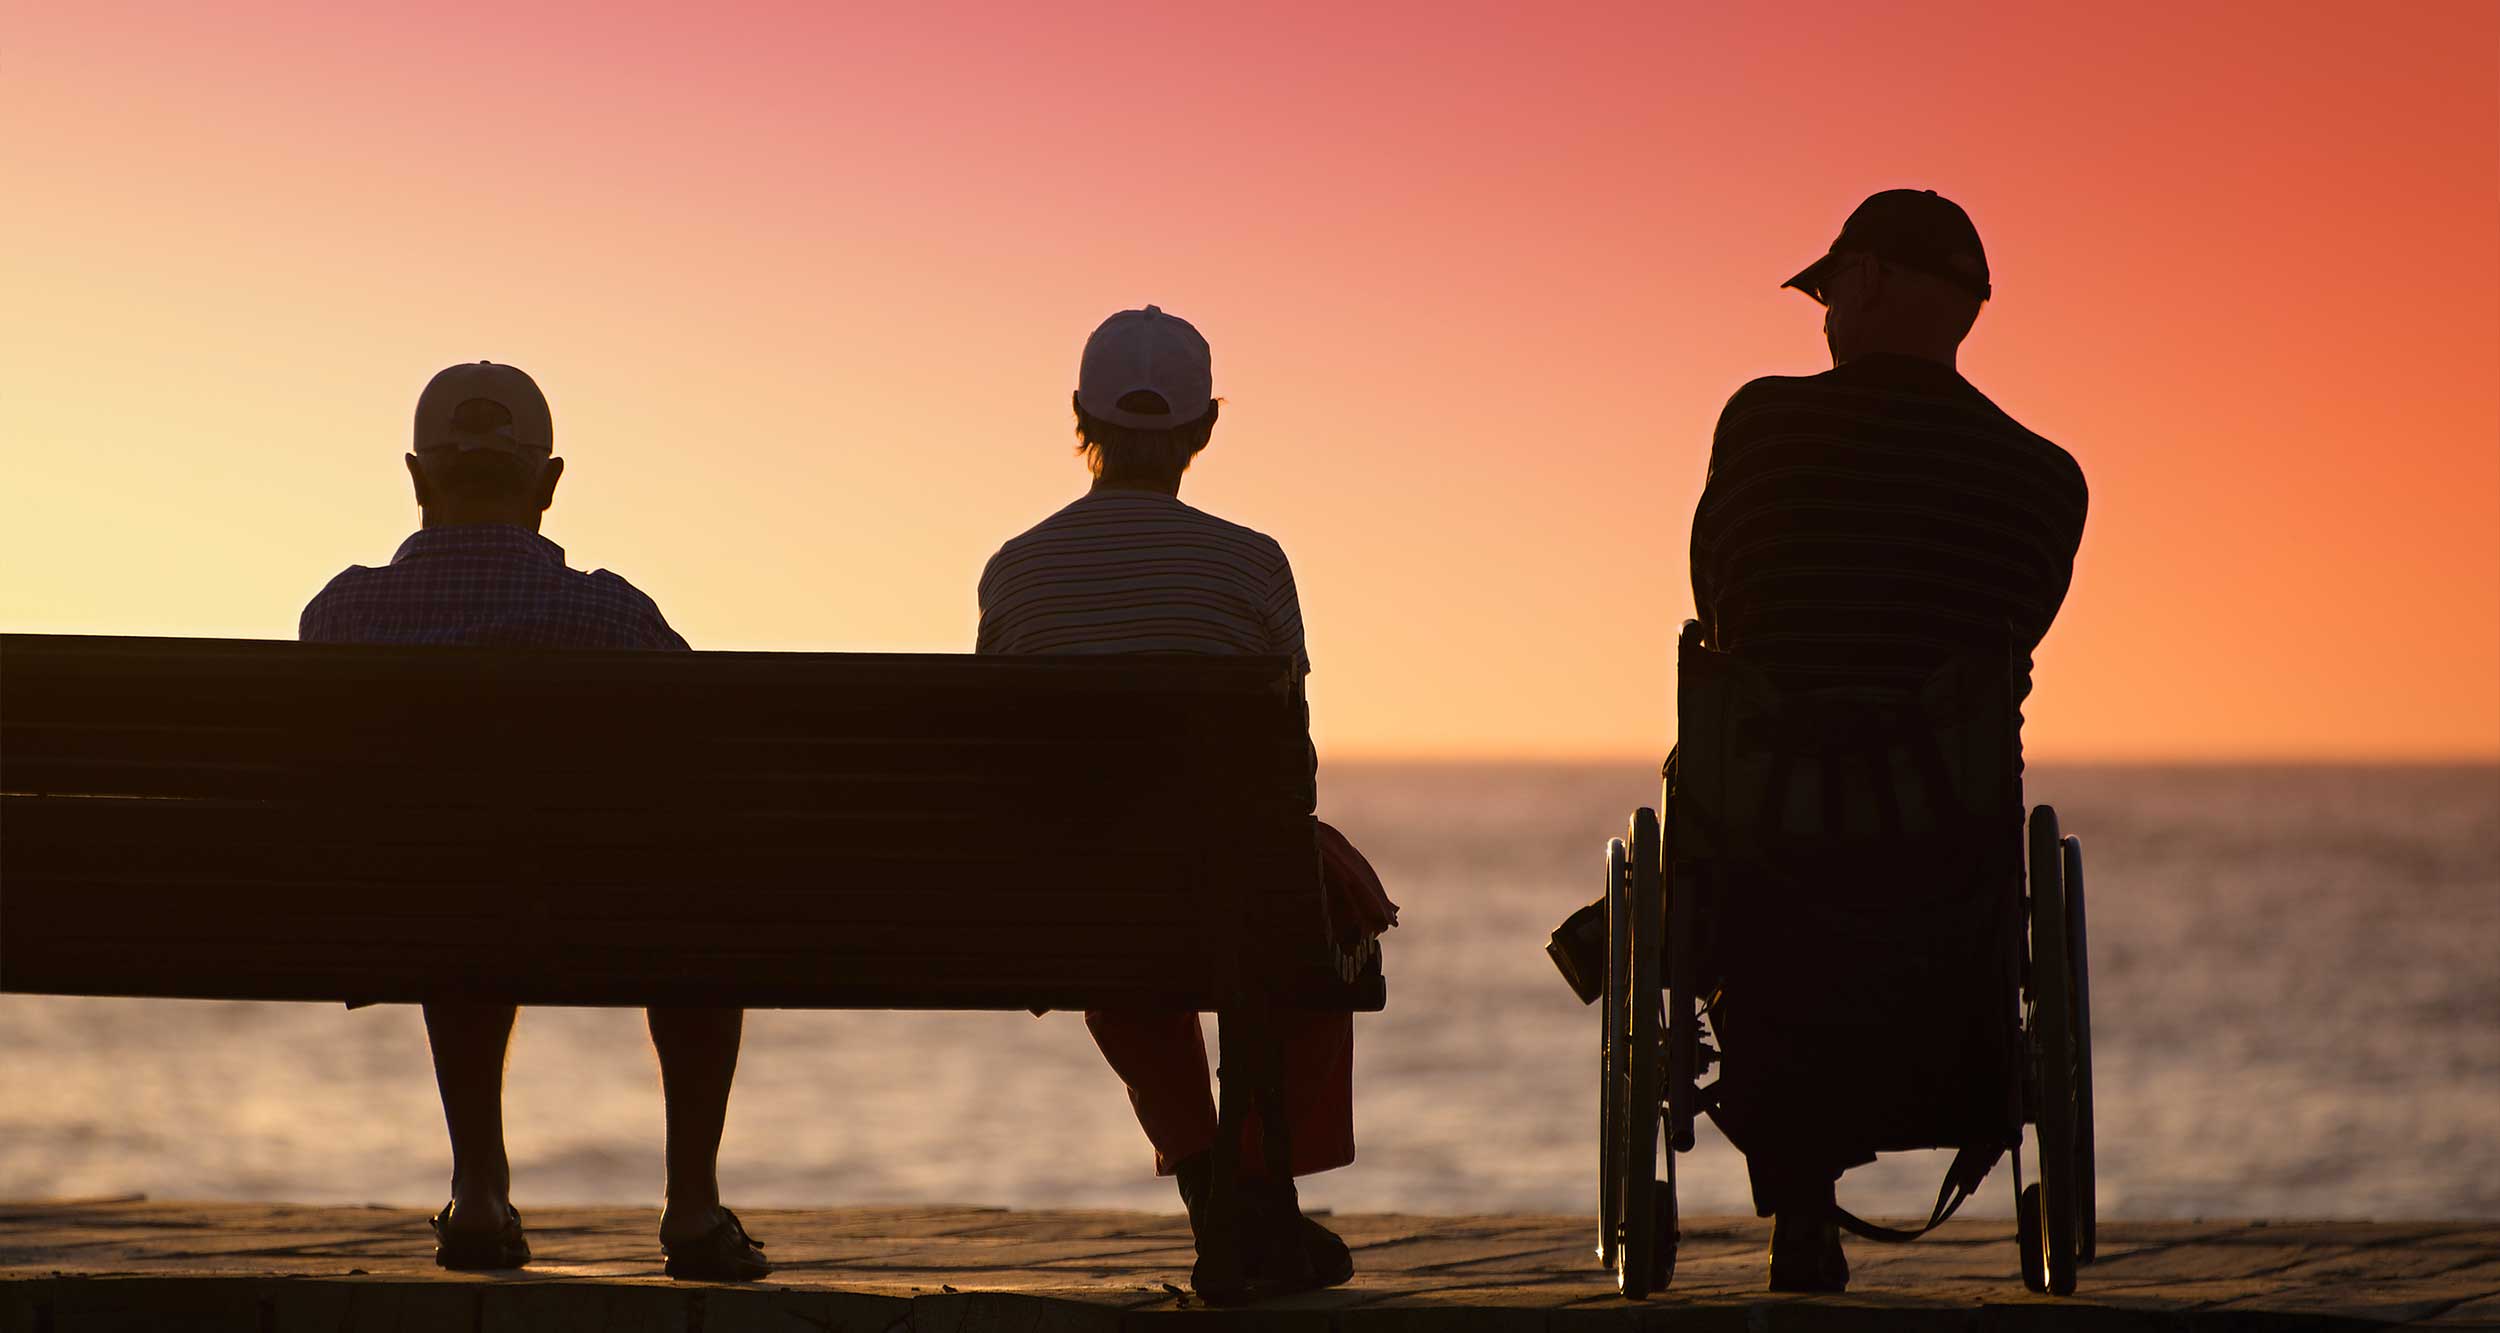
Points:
[1877,552]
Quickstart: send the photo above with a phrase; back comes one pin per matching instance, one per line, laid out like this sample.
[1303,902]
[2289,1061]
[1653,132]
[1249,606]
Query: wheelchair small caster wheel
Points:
[2027,1239]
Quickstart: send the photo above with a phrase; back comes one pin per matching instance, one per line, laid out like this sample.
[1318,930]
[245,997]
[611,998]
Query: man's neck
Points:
[1944,357]
[1171,488]
[459,517]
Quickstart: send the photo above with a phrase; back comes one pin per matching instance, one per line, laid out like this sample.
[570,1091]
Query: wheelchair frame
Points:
[1652,1057]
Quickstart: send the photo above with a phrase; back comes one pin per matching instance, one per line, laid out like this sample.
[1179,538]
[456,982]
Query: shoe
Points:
[1578,948]
[1806,1254]
[1265,1249]
[1219,1275]
[481,1251]
[726,1253]
[1290,1234]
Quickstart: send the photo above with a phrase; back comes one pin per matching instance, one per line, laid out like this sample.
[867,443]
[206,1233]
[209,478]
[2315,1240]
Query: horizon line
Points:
[2147,759]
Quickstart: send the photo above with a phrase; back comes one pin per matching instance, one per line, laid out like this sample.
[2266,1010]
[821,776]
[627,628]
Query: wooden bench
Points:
[279,821]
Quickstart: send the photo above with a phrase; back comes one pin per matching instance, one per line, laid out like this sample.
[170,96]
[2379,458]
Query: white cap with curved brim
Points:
[483,405]
[1149,351]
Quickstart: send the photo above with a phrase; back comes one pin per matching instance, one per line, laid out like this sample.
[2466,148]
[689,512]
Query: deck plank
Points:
[135,1263]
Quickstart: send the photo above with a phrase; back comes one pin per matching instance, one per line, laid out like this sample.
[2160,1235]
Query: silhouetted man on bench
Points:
[478,572]
[1128,568]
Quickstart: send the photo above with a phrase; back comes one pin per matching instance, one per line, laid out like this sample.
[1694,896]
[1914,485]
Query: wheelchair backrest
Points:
[1800,782]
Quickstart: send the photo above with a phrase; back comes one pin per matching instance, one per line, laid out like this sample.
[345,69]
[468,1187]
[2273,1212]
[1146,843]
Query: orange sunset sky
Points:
[806,287]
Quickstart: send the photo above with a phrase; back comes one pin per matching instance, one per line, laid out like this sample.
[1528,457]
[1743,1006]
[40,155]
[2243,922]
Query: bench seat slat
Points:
[696,982]
[999,832]
[150,910]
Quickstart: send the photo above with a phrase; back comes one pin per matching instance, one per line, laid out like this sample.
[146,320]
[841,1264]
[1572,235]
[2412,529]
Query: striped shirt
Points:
[1864,525]
[1123,571]
[484,583]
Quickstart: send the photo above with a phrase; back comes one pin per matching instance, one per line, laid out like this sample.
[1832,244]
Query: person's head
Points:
[1145,399]
[484,448]
[1907,275]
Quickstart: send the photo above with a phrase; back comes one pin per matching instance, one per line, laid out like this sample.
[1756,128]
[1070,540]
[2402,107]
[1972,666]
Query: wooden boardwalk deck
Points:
[136,1264]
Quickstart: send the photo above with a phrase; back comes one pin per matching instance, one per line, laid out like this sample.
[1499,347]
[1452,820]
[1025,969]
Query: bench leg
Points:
[1221,1264]
[1250,1077]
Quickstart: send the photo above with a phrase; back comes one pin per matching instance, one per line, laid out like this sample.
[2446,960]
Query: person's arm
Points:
[1704,558]
[2060,581]
[983,638]
[1703,554]
[319,621]
[2063,577]
[662,636]
[1283,615]
[627,617]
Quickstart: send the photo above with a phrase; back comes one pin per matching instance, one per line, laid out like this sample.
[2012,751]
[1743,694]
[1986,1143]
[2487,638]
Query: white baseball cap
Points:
[483,405]
[1151,351]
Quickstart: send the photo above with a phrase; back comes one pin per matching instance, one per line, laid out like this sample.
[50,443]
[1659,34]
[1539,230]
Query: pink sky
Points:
[806,290]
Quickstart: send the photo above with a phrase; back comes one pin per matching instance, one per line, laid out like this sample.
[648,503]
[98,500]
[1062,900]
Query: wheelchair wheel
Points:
[2027,1236]
[1668,1231]
[1682,1057]
[2087,1188]
[1612,1007]
[2053,1049]
[1637,1250]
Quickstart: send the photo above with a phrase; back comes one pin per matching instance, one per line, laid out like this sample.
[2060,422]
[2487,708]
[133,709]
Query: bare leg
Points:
[470,1042]
[698,1051]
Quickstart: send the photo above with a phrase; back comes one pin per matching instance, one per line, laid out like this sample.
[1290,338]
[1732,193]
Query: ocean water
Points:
[2296,984]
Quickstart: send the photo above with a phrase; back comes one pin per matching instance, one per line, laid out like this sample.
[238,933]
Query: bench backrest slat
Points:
[274,820]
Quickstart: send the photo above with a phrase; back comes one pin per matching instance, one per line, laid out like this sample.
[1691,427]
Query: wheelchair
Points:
[1778,804]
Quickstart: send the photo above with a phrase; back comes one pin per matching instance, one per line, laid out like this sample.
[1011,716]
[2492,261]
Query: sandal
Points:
[505,1247]
[726,1253]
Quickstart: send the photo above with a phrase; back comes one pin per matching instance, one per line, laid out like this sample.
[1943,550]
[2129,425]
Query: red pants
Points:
[1161,1056]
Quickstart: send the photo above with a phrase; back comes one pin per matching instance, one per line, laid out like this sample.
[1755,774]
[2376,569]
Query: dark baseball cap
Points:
[483,405]
[1917,229]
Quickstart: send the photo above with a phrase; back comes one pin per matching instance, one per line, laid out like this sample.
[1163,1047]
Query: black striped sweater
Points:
[1862,526]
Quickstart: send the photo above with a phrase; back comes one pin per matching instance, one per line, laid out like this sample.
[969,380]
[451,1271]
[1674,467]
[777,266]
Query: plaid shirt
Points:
[484,583]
